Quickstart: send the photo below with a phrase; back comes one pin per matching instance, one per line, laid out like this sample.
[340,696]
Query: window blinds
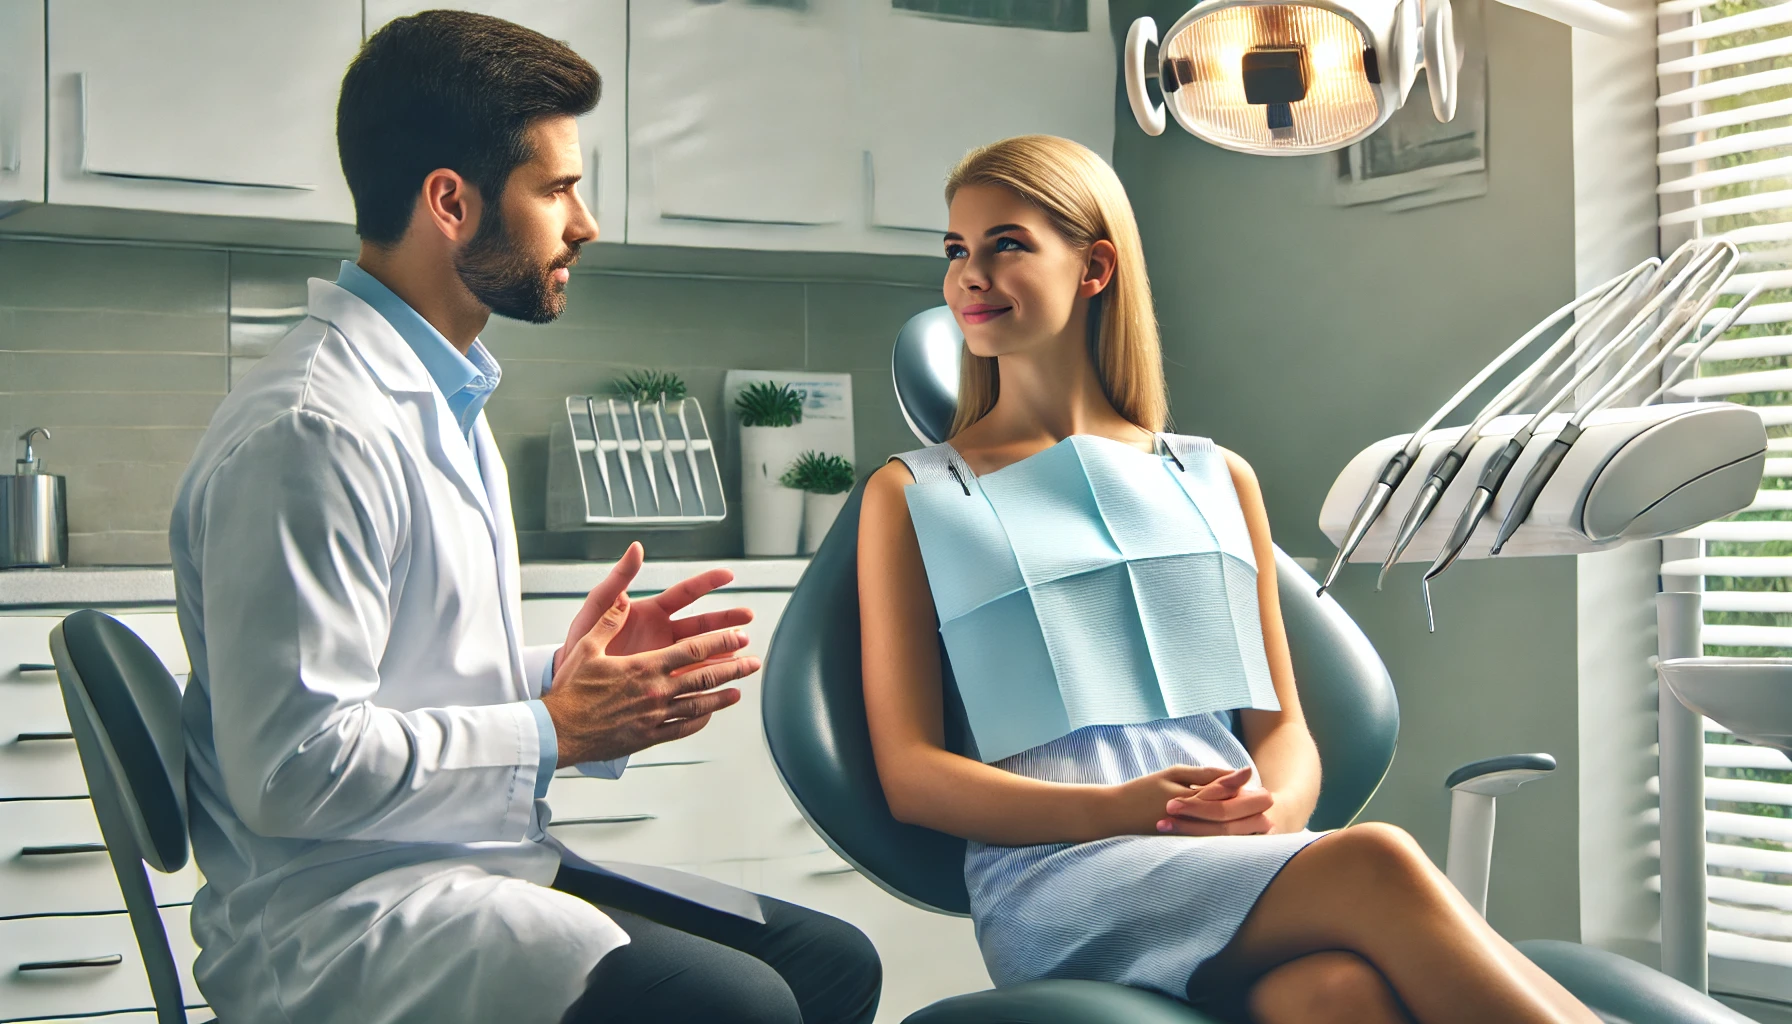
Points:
[1725,171]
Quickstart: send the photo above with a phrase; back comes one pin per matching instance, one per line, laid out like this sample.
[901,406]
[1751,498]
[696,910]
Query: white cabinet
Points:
[831,125]
[935,89]
[21,101]
[740,125]
[200,106]
[598,31]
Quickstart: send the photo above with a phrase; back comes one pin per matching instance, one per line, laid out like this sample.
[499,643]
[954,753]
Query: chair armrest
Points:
[1497,776]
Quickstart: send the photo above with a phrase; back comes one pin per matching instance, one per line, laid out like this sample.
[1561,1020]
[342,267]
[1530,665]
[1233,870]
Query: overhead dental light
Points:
[1294,77]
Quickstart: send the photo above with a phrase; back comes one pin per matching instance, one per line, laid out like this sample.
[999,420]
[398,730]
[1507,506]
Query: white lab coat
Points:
[361,767]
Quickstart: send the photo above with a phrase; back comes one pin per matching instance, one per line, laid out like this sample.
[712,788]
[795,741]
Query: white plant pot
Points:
[819,512]
[771,514]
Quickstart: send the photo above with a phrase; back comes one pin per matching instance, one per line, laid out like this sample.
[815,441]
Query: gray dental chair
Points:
[815,725]
[124,710]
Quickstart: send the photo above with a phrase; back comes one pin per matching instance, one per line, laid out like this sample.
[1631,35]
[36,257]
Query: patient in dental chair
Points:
[1141,776]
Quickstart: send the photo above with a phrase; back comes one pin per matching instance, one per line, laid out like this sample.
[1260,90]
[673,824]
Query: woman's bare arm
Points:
[928,785]
[1278,740]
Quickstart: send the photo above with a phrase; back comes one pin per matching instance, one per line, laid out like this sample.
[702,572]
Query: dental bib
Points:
[1090,584]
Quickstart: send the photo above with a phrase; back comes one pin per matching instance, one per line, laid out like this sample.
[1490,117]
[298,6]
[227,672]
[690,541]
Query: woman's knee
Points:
[1324,987]
[1376,851]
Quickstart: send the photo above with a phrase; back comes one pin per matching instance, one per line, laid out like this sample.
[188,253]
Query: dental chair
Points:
[814,712]
[124,710]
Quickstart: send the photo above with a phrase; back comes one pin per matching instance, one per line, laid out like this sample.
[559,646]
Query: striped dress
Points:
[1145,911]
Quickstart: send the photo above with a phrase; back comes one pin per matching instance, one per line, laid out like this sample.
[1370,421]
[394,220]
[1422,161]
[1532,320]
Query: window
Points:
[1725,162]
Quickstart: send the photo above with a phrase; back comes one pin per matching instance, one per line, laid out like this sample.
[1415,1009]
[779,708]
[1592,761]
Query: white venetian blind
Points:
[1725,163]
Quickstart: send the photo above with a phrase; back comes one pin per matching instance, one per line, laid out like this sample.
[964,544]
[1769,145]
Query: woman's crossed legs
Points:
[1361,926]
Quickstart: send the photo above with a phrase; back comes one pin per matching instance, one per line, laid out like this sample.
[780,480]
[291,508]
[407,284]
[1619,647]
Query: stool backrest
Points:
[814,709]
[124,711]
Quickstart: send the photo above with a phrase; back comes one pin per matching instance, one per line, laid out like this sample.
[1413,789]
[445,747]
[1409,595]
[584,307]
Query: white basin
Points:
[1751,697]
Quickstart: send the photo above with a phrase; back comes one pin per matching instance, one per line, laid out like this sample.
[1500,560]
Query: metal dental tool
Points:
[1397,467]
[1443,472]
[1629,376]
[597,449]
[628,476]
[1494,474]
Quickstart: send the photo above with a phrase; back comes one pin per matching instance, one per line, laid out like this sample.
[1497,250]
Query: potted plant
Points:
[771,513]
[651,386]
[825,481]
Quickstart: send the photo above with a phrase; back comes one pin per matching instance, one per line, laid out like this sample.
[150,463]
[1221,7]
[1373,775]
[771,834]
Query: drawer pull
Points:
[40,737]
[664,764]
[62,849]
[604,819]
[35,666]
[113,960]
[844,869]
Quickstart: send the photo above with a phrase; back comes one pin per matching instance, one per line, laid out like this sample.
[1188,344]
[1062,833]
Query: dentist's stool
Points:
[124,711]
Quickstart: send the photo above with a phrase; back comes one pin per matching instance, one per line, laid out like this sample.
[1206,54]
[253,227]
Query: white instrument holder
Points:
[616,462]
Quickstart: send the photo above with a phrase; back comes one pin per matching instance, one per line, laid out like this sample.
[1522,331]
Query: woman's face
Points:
[1012,280]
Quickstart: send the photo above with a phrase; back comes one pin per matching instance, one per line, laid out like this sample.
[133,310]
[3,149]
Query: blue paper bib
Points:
[1091,584]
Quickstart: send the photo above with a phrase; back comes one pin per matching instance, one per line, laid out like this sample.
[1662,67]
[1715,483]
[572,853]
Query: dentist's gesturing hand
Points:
[606,705]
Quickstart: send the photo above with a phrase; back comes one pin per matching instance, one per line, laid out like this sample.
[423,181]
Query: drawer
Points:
[34,760]
[57,876]
[115,982]
[195,1015]
[926,956]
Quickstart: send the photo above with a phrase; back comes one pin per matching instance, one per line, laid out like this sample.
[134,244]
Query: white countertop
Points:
[129,585]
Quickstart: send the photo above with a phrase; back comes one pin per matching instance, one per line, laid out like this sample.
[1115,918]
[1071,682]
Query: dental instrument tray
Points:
[1636,473]
[619,462]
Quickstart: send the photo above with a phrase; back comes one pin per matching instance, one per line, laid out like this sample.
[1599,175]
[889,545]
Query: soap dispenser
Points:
[33,512]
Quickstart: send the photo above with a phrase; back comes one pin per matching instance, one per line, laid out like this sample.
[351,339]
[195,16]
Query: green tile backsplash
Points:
[124,351]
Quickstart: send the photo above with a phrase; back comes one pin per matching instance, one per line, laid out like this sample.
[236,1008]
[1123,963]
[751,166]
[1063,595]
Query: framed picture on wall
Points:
[1414,160]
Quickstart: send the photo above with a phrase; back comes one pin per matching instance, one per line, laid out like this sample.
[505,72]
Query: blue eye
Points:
[956,252]
[1007,244]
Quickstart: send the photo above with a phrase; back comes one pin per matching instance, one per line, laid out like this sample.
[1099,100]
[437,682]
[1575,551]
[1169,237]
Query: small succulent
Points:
[765,404]
[650,385]
[819,474]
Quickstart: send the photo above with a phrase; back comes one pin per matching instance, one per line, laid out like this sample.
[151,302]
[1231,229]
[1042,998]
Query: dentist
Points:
[368,740]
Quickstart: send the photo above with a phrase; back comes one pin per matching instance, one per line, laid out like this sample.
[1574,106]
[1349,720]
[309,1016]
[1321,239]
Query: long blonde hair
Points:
[1085,202]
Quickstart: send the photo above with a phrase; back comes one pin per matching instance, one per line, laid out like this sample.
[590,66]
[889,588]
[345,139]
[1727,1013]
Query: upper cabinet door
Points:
[21,100]
[598,31]
[200,106]
[942,77]
[740,124]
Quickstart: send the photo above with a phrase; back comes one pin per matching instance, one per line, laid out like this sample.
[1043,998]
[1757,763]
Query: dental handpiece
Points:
[1707,288]
[1494,474]
[1397,466]
[1444,471]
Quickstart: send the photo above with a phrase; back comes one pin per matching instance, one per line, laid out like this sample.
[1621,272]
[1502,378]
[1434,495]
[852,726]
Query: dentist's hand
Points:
[650,625]
[1186,800]
[605,706]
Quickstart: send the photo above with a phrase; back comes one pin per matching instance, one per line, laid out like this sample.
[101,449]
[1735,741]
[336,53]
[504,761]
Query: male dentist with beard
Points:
[368,740]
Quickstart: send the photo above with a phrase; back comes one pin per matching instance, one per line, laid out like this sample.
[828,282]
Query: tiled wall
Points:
[124,351]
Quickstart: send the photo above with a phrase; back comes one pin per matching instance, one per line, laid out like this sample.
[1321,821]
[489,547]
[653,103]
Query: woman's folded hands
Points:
[1188,800]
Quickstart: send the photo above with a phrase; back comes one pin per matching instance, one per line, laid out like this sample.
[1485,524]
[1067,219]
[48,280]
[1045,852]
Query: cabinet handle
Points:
[665,764]
[62,849]
[844,869]
[81,90]
[110,960]
[35,666]
[605,819]
[39,737]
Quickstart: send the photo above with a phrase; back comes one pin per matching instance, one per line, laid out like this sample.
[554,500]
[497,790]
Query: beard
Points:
[509,281]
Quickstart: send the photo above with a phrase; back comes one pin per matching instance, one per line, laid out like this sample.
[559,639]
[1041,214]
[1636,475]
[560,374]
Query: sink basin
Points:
[1751,697]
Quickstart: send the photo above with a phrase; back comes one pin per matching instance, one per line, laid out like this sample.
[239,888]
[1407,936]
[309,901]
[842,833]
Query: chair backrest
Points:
[124,710]
[814,704]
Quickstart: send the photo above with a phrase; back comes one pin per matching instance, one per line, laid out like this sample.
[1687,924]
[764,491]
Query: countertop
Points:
[137,585]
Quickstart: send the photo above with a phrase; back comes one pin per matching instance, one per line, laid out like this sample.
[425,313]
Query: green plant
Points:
[765,404]
[649,385]
[819,474]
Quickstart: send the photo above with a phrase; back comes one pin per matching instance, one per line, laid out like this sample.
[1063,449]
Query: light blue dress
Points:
[1098,607]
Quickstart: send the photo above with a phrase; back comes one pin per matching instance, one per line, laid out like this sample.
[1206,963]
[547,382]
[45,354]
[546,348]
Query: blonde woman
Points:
[1142,777]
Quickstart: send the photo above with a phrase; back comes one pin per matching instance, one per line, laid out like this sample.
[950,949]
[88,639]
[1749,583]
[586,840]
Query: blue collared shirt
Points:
[466,382]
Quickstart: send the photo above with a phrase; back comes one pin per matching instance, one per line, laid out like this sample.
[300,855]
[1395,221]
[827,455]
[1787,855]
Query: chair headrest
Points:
[925,367]
[124,709]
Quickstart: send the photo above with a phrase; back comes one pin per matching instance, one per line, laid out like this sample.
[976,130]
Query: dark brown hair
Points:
[448,89]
